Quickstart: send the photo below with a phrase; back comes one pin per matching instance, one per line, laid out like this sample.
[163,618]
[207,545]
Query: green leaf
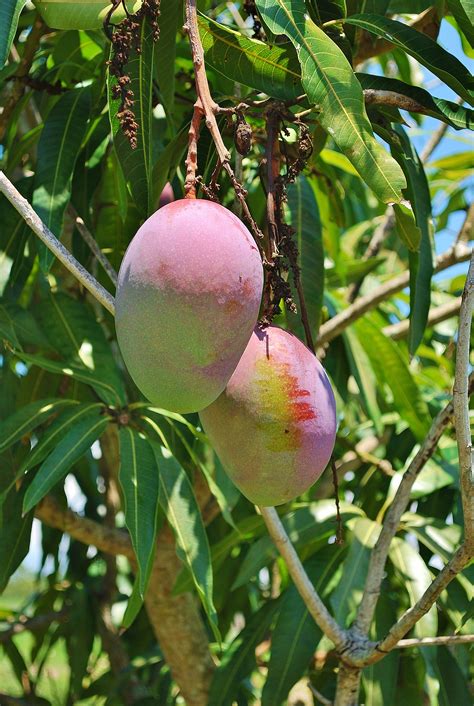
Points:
[296,635]
[430,54]
[140,482]
[79,636]
[406,227]
[364,376]
[457,116]
[73,330]
[308,525]
[380,680]
[347,596]
[64,14]
[271,70]
[416,577]
[463,11]
[55,432]
[182,511]
[454,686]
[28,418]
[69,450]
[422,263]
[9,14]
[391,369]
[327,10]
[137,164]
[305,219]
[238,660]
[58,148]
[82,374]
[15,533]
[171,14]
[330,84]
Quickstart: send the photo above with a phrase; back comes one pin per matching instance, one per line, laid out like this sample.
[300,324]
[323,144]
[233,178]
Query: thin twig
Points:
[435,316]
[57,248]
[93,245]
[37,622]
[440,640]
[456,564]
[378,238]
[461,406]
[306,589]
[320,697]
[391,523]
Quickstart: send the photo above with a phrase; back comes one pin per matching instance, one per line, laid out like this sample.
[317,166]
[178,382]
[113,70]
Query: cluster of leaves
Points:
[67,402]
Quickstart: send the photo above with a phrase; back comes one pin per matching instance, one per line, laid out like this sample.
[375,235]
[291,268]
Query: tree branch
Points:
[19,85]
[435,316]
[460,559]
[313,602]
[107,539]
[37,622]
[440,640]
[52,243]
[461,407]
[391,523]
[93,245]
[459,252]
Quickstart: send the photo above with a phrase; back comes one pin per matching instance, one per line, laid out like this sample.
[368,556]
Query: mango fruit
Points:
[274,426]
[188,296]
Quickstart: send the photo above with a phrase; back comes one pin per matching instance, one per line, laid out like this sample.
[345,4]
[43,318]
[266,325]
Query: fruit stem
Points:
[205,106]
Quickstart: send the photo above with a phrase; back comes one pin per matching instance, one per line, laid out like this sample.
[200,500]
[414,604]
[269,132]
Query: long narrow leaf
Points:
[28,418]
[182,511]
[69,450]
[330,83]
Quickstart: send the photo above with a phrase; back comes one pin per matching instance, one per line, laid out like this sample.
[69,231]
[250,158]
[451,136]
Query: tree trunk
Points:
[347,689]
[178,626]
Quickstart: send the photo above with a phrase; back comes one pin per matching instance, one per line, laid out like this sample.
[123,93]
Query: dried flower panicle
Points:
[125,37]
[242,135]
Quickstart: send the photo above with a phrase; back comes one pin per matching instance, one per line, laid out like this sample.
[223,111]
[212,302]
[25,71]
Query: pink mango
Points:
[274,426]
[188,297]
[166,196]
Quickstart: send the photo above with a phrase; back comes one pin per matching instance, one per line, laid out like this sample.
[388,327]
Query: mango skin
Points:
[188,296]
[274,426]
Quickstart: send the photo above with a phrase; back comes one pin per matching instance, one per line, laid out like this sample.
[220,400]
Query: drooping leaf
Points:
[310,525]
[304,218]
[457,116]
[463,11]
[79,637]
[15,530]
[363,373]
[140,482]
[295,635]
[272,70]
[63,132]
[171,13]
[422,262]
[391,369]
[168,161]
[81,373]
[454,684]
[9,14]
[348,593]
[137,164]
[22,422]
[63,14]
[380,680]
[239,658]
[424,49]
[182,511]
[415,577]
[330,84]
[75,333]
[69,450]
